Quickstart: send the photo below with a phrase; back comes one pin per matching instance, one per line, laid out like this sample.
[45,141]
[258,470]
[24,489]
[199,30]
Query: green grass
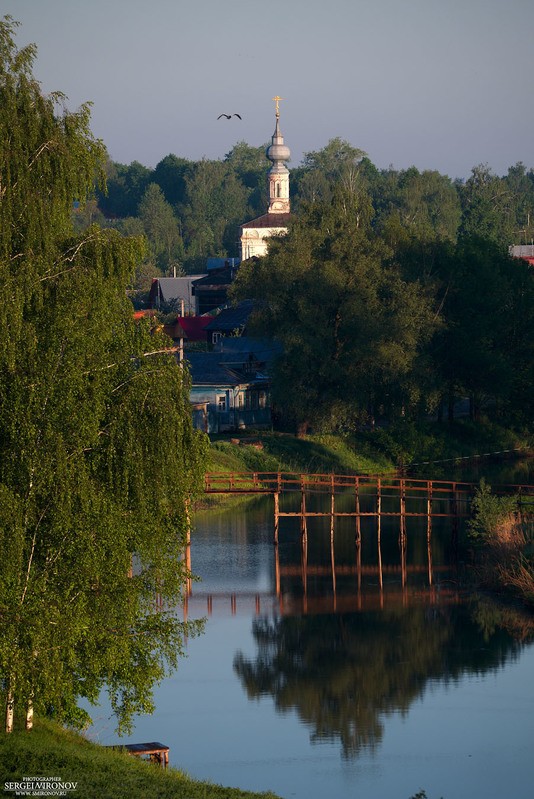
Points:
[432,447]
[283,452]
[101,773]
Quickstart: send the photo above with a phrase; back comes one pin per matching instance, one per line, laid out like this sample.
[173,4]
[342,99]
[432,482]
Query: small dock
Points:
[153,751]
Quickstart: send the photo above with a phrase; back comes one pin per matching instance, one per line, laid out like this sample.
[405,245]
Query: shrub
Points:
[495,519]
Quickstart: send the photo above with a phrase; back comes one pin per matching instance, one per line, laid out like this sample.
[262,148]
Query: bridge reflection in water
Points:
[362,543]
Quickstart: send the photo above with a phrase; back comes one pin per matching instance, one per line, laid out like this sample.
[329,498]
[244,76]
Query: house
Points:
[174,292]
[230,321]
[231,387]
[188,328]
[523,251]
[211,290]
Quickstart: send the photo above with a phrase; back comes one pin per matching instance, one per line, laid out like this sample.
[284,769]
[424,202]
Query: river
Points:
[312,682]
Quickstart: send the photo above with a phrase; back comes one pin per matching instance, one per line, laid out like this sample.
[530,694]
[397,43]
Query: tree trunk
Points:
[29,715]
[10,708]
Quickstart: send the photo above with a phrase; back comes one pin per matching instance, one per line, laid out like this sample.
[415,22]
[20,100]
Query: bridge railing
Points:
[323,483]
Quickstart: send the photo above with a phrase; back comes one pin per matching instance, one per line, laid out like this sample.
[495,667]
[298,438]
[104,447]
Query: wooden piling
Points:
[276,516]
[304,566]
[332,512]
[454,521]
[429,531]
[358,532]
[379,531]
[303,522]
[402,533]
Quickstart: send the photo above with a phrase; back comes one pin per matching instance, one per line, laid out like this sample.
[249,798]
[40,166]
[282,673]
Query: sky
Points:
[436,84]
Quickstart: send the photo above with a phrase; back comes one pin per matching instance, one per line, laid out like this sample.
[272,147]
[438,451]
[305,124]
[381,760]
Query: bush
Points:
[495,519]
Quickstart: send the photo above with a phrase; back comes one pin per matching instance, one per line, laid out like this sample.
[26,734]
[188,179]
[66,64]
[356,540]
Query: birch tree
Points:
[98,458]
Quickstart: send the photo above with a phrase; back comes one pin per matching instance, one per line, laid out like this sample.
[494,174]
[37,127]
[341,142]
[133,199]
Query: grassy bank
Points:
[426,447]
[101,773]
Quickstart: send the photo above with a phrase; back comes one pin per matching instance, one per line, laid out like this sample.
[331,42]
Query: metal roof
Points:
[167,289]
[232,318]
[269,220]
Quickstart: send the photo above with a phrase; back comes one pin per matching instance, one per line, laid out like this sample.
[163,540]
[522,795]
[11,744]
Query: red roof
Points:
[143,314]
[269,220]
[193,326]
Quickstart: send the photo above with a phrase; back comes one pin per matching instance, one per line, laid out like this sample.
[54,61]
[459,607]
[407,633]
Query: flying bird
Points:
[229,116]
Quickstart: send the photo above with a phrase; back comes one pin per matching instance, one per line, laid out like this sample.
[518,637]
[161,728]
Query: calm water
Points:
[311,682]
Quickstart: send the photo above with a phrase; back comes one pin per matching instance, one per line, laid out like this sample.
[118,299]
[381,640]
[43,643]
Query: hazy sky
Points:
[439,84]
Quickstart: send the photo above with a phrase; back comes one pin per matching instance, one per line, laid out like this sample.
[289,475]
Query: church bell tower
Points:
[255,235]
[278,175]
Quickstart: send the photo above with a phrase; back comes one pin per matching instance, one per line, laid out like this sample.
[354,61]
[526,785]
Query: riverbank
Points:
[99,773]
[427,448]
[501,531]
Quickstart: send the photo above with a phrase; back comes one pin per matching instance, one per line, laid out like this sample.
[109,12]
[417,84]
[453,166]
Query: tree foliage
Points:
[161,229]
[98,459]
[351,328]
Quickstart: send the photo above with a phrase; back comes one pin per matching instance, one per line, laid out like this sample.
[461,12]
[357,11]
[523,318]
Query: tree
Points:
[487,207]
[336,165]
[250,165]
[521,186]
[98,458]
[125,186]
[170,174]
[350,327]
[216,205]
[484,351]
[419,206]
[161,228]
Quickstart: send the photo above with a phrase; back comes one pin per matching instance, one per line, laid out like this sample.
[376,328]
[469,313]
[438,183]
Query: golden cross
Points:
[277,100]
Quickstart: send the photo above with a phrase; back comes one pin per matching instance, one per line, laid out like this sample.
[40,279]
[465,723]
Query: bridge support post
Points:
[303,522]
[332,550]
[358,532]
[379,531]
[402,535]
[429,531]
[276,516]
[454,521]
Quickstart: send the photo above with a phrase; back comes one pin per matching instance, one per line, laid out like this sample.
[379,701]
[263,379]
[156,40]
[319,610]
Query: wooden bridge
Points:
[375,496]
[279,482]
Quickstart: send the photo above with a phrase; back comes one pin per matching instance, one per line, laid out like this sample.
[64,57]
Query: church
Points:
[255,234]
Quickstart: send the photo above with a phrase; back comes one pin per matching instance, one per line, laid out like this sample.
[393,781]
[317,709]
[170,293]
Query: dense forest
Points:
[190,210]
[393,294]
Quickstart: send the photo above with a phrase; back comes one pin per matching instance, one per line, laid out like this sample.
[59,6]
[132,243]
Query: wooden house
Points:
[231,386]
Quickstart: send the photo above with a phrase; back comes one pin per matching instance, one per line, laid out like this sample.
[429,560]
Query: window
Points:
[221,404]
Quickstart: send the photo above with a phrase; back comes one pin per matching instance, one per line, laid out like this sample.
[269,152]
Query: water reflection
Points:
[341,648]
[345,673]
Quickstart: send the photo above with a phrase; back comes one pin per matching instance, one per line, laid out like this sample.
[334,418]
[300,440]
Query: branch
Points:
[46,146]
[69,257]
[137,374]
[170,350]
[32,552]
